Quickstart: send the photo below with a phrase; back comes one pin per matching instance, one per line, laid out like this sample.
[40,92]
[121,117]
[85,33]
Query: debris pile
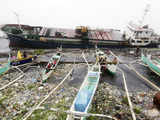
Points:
[110,100]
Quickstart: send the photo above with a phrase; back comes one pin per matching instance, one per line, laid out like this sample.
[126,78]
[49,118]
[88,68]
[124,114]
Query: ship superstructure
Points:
[139,34]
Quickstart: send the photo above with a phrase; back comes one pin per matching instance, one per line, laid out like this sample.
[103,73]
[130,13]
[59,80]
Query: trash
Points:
[34,80]
[40,88]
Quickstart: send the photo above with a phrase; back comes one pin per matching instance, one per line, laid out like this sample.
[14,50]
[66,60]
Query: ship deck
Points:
[98,34]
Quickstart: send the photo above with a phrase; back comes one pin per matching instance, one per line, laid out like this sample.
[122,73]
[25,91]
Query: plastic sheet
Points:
[82,100]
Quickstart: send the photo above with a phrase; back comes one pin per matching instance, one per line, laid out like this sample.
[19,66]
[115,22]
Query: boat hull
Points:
[53,62]
[150,64]
[4,69]
[111,69]
[86,93]
[23,61]
[46,76]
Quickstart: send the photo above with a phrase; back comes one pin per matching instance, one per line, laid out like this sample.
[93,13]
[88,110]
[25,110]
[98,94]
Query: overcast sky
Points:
[70,13]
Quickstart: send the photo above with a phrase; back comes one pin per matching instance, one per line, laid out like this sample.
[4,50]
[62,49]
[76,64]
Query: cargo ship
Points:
[37,37]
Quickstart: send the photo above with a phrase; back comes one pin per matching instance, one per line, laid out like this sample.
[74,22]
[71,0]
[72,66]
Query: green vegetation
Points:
[40,115]
[92,117]
[45,114]
[61,105]
[137,110]
[2,99]
[31,86]
[125,100]
[20,115]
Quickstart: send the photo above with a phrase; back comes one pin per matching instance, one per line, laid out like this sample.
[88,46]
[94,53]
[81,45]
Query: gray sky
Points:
[71,13]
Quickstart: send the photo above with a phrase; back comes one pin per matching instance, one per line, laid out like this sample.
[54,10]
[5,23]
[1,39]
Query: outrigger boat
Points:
[107,61]
[53,62]
[5,67]
[86,93]
[22,59]
[153,62]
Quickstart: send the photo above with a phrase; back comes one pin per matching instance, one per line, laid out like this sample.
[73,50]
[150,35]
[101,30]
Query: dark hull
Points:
[20,42]
[20,62]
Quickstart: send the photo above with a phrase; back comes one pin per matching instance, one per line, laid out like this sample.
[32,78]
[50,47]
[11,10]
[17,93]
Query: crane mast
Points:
[146,10]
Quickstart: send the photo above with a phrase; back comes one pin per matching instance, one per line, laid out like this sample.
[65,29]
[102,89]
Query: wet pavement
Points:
[134,82]
[78,74]
[150,75]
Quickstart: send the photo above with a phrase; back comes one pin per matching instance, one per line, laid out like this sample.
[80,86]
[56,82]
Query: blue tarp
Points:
[84,95]
[83,98]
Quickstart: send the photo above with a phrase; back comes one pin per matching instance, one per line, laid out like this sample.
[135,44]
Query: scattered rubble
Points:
[19,98]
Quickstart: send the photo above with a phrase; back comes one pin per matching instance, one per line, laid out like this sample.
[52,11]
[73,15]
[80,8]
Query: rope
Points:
[37,106]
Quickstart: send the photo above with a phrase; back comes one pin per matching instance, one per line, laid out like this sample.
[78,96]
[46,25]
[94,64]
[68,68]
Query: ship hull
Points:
[21,42]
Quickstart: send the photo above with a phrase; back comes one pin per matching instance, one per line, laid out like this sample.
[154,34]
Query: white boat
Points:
[53,62]
[86,93]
